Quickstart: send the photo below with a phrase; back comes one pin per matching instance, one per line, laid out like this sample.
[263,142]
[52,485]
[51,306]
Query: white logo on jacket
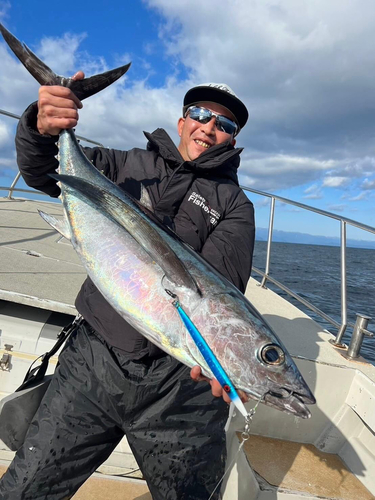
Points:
[197,199]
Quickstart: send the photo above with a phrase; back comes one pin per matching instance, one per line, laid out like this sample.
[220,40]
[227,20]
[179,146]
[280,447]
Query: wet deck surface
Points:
[302,468]
[100,487]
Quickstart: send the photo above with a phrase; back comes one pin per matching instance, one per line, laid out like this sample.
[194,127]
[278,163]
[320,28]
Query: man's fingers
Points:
[55,112]
[196,374]
[243,396]
[57,108]
[216,388]
[56,102]
[218,391]
[57,125]
[49,93]
[80,75]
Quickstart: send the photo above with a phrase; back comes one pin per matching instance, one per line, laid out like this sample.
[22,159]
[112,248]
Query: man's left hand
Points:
[216,389]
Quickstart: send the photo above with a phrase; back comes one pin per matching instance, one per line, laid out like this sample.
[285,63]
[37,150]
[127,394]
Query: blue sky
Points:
[304,69]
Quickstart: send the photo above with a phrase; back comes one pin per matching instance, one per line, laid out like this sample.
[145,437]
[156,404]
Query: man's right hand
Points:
[58,108]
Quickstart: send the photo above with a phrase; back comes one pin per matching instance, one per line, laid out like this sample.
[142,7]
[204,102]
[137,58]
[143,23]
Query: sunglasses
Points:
[203,115]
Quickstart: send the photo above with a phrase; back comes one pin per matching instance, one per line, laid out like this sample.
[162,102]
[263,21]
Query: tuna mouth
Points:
[290,401]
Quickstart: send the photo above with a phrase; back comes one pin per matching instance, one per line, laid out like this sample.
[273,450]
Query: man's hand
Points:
[216,389]
[57,108]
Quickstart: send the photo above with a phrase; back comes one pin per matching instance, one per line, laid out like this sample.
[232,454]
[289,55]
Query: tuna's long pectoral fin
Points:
[45,76]
[59,225]
[135,223]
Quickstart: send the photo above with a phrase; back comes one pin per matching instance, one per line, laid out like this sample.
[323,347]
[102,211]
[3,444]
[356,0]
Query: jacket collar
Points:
[223,158]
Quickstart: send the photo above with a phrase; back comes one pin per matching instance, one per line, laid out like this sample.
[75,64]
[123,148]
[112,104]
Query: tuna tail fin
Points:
[45,76]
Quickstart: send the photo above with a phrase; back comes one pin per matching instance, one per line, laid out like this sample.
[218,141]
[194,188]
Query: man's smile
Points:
[202,143]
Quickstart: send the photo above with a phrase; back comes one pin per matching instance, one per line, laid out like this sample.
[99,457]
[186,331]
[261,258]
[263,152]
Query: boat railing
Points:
[12,187]
[341,327]
[344,221]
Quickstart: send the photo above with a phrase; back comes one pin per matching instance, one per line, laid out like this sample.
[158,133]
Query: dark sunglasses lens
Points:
[203,115]
[226,125]
[200,115]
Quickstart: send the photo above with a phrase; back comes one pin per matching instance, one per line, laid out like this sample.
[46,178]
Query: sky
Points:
[304,69]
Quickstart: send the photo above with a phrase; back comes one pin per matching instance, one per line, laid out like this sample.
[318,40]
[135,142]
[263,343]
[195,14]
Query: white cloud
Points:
[118,116]
[337,208]
[17,87]
[7,152]
[314,196]
[313,192]
[335,181]
[4,8]
[359,197]
[311,189]
[263,202]
[5,134]
[60,53]
[368,184]
[272,172]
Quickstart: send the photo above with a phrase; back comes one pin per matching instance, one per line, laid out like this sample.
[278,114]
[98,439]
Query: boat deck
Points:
[99,486]
[302,470]
[33,257]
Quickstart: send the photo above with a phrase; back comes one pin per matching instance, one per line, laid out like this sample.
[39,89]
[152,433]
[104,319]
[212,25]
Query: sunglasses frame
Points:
[218,119]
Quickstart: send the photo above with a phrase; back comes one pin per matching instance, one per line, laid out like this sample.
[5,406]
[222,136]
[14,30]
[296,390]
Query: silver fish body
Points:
[133,277]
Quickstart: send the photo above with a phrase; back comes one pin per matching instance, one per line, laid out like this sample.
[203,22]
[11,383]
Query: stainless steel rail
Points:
[344,221]
[80,137]
[13,188]
[298,297]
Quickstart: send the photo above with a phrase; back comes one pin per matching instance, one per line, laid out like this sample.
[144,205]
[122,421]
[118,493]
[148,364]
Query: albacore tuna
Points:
[137,263]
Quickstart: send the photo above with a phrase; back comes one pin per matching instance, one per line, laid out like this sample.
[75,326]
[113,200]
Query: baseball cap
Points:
[219,93]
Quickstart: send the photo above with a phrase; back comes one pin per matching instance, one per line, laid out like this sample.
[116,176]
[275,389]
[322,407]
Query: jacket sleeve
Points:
[36,155]
[229,248]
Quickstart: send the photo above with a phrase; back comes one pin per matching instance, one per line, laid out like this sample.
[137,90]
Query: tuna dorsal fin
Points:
[135,223]
[145,200]
[60,225]
[45,76]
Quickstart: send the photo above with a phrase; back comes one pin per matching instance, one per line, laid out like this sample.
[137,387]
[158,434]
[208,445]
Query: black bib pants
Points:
[174,426]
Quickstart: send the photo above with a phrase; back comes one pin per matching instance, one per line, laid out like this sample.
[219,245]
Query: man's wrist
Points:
[31,122]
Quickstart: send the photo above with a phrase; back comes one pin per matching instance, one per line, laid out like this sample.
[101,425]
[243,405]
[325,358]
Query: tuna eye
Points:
[272,354]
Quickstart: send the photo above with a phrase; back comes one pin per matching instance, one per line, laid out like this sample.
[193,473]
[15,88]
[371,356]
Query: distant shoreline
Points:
[309,239]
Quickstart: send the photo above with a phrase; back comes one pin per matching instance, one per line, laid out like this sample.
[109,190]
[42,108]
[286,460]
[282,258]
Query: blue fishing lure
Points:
[211,360]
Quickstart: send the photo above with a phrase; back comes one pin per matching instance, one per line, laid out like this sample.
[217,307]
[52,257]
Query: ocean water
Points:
[313,271]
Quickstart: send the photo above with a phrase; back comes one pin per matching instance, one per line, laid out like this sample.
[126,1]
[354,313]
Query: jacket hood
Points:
[222,159]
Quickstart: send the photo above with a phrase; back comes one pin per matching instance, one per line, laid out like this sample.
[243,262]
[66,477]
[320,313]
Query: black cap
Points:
[219,93]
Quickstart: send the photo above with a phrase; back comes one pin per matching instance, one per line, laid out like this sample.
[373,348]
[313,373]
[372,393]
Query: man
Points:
[110,380]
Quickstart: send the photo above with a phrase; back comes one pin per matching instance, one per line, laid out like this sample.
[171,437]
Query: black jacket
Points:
[200,200]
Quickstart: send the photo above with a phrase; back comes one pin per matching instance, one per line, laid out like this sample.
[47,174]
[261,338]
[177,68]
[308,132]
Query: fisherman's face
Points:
[196,138]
